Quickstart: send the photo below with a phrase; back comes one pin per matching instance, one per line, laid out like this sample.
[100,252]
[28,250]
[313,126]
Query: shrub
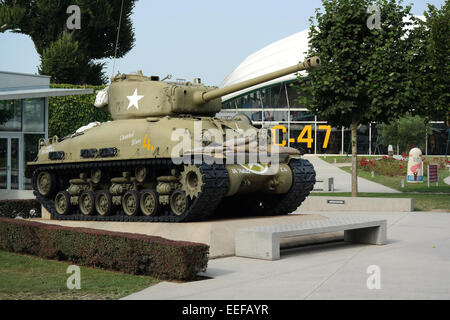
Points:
[22,208]
[125,252]
[67,114]
[389,166]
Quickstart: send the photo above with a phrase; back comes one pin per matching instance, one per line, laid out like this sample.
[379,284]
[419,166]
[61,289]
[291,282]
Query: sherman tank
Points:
[166,157]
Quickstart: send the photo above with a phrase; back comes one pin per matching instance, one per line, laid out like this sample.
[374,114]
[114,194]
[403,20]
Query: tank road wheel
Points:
[130,203]
[87,203]
[103,203]
[149,203]
[62,203]
[46,183]
[179,202]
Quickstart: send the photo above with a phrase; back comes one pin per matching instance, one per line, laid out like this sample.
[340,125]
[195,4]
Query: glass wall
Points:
[19,136]
[438,140]
[3,162]
[11,110]
[33,115]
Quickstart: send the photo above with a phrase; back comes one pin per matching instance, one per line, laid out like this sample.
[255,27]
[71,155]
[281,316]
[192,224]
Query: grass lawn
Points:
[345,159]
[28,277]
[395,182]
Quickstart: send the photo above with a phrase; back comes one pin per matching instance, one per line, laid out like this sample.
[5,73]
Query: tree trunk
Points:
[354,160]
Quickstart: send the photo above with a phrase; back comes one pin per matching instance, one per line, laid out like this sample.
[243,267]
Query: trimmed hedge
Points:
[125,252]
[67,114]
[20,208]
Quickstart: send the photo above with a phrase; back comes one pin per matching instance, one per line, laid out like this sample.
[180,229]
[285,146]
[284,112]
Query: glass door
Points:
[11,176]
[15,161]
[3,163]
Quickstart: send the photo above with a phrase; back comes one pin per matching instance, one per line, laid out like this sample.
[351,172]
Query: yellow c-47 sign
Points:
[304,137]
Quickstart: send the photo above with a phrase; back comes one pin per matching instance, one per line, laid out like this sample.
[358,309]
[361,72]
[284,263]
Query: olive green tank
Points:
[165,157]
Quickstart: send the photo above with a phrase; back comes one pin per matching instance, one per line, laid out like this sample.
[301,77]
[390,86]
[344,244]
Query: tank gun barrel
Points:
[203,97]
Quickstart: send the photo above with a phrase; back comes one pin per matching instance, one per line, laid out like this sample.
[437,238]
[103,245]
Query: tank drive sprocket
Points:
[191,181]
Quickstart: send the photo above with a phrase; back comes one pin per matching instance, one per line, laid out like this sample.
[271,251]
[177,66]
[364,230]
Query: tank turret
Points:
[137,96]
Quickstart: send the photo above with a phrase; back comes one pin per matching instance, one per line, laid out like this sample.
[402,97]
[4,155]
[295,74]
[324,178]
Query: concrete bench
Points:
[327,184]
[264,242]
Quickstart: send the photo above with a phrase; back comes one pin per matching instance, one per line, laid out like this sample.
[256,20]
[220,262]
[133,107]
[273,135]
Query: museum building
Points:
[24,106]
[273,103]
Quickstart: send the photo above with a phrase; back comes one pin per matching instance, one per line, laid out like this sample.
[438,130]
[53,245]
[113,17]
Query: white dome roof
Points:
[278,55]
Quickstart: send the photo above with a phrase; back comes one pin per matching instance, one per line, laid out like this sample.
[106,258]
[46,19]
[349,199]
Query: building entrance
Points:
[11,162]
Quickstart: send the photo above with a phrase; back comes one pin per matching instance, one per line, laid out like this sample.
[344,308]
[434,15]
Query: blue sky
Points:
[197,38]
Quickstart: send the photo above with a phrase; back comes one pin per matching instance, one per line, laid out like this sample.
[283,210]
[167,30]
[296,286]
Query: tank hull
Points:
[143,176]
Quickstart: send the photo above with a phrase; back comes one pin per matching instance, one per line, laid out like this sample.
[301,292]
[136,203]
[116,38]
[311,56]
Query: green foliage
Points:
[430,66]
[406,132]
[362,77]
[67,114]
[129,253]
[45,22]
[66,63]
[21,208]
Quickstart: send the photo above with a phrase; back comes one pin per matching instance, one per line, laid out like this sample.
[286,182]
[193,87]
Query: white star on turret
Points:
[134,100]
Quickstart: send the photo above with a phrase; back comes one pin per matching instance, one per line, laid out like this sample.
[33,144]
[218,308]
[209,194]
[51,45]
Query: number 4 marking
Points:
[146,144]
[307,130]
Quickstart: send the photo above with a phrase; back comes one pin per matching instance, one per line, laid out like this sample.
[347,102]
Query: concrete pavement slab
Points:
[343,180]
[413,265]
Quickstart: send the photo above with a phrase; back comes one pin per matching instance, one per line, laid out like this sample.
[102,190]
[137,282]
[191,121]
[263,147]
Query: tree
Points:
[66,63]
[431,63]
[45,22]
[364,65]
[406,132]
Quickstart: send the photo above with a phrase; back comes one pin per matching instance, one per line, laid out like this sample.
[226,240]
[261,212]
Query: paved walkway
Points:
[343,180]
[413,265]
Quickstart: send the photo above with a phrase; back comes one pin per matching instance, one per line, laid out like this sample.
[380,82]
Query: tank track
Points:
[215,187]
[304,178]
